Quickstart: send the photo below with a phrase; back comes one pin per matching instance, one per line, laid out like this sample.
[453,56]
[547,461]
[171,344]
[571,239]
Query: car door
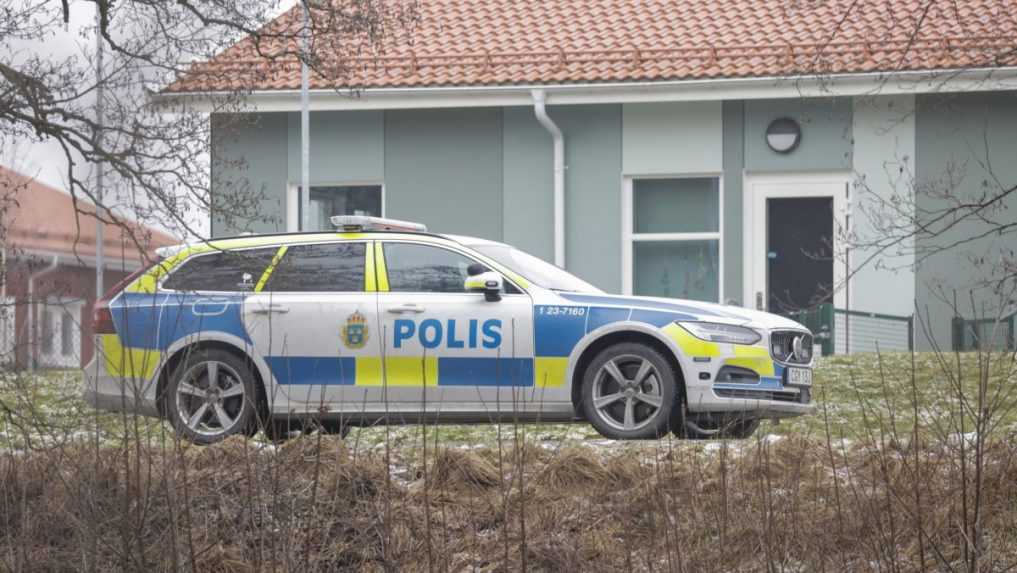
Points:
[312,319]
[448,350]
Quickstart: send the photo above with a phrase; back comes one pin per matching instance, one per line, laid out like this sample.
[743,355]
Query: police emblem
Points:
[355,332]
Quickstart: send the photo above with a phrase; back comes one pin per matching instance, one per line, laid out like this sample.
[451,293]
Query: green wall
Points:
[965,146]
[346,147]
[248,173]
[592,192]
[527,183]
[734,164]
[826,142]
[443,168]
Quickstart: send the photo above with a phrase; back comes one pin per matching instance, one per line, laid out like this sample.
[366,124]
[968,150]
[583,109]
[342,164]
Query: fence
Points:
[983,333]
[841,331]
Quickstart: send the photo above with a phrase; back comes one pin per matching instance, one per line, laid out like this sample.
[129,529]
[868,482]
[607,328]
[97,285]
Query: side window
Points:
[334,267]
[423,268]
[222,271]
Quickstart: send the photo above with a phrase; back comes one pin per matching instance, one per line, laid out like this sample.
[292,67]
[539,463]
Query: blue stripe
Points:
[136,318]
[557,334]
[602,316]
[186,314]
[324,370]
[485,372]
[634,302]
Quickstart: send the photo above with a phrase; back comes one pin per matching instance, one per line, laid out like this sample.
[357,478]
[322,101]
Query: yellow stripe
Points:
[271,267]
[380,269]
[399,371]
[689,344]
[370,277]
[754,358]
[134,363]
[550,372]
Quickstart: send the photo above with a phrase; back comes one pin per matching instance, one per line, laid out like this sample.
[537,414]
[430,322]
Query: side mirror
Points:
[490,283]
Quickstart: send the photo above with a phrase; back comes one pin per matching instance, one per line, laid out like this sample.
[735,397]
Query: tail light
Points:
[102,317]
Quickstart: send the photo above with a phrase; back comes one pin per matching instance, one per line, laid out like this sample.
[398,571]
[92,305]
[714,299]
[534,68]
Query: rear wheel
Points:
[211,395]
[629,392]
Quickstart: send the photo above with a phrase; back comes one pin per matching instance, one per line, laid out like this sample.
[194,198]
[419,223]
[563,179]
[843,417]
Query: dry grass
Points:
[899,493]
[789,504]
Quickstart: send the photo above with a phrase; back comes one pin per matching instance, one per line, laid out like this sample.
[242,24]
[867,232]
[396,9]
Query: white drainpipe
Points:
[33,347]
[559,175]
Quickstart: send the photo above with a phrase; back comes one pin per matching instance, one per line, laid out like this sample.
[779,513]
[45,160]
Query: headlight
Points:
[716,332]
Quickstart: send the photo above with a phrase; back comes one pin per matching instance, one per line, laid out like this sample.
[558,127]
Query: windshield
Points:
[535,270]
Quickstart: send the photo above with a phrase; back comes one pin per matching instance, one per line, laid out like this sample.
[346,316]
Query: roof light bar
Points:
[352,223]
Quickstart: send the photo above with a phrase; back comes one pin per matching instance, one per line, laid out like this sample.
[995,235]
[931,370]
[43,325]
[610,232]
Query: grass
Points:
[854,395]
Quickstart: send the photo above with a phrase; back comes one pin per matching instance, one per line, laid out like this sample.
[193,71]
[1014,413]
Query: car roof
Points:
[273,239]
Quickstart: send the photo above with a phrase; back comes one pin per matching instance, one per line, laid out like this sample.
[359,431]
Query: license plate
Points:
[799,377]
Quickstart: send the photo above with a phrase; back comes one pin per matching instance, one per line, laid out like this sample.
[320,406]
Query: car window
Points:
[333,267]
[222,271]
[424,268]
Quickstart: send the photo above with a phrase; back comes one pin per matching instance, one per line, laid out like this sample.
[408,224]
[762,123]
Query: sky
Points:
[44,160]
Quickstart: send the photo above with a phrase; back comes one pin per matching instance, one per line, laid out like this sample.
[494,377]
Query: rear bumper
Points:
[105,392]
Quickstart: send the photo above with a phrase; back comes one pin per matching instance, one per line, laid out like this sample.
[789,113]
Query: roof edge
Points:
[848,84]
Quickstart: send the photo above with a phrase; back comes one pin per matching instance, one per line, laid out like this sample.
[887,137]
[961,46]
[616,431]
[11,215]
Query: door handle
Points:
[406,309]
[270,309]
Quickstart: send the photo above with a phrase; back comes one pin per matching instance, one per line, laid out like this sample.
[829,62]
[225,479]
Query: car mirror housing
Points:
[490,283]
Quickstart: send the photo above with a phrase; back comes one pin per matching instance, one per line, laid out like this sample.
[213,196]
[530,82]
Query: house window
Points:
[327,201]
[672,229]
[67,334]
[46,334]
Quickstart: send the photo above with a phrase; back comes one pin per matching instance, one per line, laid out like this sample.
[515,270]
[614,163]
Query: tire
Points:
[641,404]
[203,413]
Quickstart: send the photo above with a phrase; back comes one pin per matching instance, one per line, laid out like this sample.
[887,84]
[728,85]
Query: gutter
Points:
[817,85]
[33,348]
[540,110]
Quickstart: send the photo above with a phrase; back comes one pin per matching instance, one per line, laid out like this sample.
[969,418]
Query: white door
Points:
[759,191]
[315,325]
[446,349]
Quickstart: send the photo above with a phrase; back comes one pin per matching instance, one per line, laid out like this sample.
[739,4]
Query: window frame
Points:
[629,237]
[380,252]
[161,286]
[293,199]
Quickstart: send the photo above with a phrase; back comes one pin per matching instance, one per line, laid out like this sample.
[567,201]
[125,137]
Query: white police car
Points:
[381,321]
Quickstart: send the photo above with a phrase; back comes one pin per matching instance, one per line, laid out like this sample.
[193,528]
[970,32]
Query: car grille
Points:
[782,347]
[803,397]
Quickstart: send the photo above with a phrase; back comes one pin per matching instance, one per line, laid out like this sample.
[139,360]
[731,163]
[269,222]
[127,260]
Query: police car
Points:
[383,322]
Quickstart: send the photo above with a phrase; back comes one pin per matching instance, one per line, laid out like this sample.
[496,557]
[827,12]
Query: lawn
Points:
[855,395]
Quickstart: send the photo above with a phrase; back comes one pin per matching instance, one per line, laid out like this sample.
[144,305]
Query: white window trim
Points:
[293,198]
[629,237]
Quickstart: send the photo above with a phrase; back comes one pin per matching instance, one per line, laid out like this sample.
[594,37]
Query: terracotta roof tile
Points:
[41,219]
[505,42]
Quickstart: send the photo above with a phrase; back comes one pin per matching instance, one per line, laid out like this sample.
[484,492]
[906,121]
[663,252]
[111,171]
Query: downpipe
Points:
[540,110]
[33,348]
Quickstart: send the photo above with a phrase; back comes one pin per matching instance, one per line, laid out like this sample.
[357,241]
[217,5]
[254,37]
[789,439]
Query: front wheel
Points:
[211,395]
[629,392]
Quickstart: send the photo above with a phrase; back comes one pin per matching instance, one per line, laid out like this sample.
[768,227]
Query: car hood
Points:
[696,310]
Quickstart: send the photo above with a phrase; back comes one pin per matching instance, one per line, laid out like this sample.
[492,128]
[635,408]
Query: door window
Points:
[423,268]
[222,271]
[331,267]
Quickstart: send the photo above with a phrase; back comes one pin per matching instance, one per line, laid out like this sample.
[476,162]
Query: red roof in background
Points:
[505,42]
[42,220]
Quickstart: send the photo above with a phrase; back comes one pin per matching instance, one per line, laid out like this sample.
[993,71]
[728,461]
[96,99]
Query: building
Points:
[709,150]
[49,257]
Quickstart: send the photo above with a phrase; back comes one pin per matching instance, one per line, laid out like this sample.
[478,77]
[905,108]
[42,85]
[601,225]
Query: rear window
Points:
[332,267]
[222,271]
